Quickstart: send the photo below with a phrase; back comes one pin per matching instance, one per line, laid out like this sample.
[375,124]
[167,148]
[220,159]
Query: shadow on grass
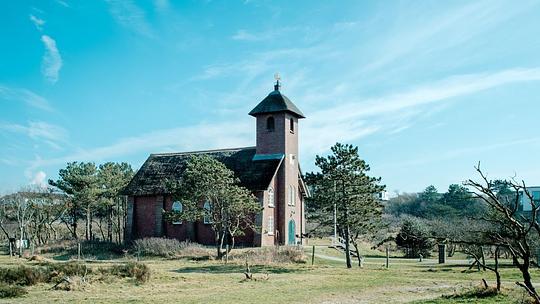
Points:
[237,268]
[464,267]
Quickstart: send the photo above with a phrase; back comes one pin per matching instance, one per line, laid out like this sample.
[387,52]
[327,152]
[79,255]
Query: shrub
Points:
[23,275]
[68,269]
[477,292]
[11,291]
[169,248]
[139,271]
[265,255]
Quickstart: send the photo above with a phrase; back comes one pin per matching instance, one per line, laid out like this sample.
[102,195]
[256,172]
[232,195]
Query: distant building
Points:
[525,201]
[270,170]
[383,196]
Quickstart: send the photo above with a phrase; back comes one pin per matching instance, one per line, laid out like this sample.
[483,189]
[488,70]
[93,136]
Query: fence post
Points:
[387,257]
[313,255]
[442,253]
[227,253]
[79,250]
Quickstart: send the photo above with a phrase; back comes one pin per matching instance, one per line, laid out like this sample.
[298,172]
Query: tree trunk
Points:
[347,247]
[88,220]
[110,223]
[497,274]
[219,244]
[524,268]
[21,240]
[347,230]
[74,218]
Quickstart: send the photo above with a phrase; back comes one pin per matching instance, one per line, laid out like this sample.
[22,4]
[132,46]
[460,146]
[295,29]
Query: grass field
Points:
[327,281]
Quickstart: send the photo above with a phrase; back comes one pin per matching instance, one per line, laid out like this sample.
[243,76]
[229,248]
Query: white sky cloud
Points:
[39,179]
[39,130]
[52,61]
[37,22]
[131,16]
[23,95]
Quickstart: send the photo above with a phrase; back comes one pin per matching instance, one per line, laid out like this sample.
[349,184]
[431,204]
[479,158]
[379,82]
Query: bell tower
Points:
[277,138]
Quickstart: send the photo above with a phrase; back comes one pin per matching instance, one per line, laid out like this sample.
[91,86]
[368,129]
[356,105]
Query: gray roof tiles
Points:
[158,168]
[276,102]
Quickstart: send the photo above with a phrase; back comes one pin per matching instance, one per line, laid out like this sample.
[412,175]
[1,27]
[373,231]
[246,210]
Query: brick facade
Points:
[145,216]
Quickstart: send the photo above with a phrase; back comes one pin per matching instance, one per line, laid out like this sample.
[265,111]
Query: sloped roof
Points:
[151,178]
[276,102]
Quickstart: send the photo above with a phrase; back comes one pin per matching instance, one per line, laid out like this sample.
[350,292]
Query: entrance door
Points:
[292,229]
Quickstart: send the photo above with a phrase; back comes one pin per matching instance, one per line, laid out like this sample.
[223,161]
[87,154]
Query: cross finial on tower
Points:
[277,78]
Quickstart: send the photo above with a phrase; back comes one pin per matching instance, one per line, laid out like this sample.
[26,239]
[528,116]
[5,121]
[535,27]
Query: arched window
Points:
[291,125]
[177,207]
[291,195]
[270,225]
[270,197]
[207,219]
[270,124]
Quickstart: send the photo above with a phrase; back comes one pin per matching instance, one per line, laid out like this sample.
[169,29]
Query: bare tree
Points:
[512,230]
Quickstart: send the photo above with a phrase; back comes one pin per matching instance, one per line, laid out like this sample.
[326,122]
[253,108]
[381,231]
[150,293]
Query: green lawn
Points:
[327,281]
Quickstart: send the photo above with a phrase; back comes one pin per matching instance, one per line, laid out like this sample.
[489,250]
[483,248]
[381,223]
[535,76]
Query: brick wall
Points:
[144,216]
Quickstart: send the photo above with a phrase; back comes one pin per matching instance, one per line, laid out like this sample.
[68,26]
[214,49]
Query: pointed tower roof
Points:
[276,102]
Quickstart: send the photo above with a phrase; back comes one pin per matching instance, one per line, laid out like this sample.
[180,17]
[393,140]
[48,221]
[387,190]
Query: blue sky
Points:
[426,89]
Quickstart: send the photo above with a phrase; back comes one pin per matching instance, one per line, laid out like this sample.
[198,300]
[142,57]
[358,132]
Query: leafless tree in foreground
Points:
[512,229]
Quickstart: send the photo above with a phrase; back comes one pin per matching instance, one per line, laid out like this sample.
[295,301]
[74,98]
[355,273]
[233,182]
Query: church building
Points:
[270,170]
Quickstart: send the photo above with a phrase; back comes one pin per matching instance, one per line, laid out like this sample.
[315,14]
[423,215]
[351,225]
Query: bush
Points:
[27,276]
[11,291]
[169,248]
[475,293]
[68,269]
[139,271]
[265,255]
[23,275]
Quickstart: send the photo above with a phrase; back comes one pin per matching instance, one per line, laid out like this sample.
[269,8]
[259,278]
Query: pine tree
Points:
[343,187]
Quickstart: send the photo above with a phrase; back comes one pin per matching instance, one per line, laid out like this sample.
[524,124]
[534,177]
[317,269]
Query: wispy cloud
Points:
[202,136]
[396,112]
[52,61]
[62,2]
[130,16]
[23,95]
[447,88]
[37,22]
[245,35]
[38,130]
[465,151]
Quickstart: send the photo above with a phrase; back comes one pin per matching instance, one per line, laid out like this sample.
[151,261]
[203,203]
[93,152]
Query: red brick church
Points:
[270,169]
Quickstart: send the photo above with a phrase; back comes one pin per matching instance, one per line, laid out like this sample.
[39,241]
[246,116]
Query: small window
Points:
[270,197]
[270,225]
[291,127]
[177,207]
[207,219]
[292,157]
[270,124]
[291,195]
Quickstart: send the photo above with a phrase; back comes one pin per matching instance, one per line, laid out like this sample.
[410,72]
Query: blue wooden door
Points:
[292,229]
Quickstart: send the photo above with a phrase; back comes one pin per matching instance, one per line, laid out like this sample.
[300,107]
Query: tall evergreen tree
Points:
[80,182]
[112,178]
[343,189]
